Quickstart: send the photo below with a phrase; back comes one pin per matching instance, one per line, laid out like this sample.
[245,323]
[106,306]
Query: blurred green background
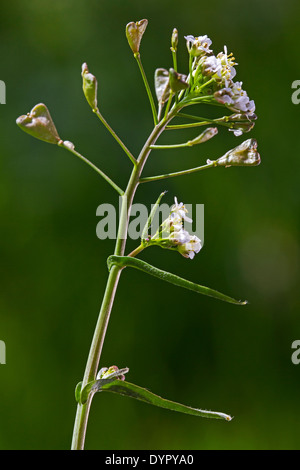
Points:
[187,348]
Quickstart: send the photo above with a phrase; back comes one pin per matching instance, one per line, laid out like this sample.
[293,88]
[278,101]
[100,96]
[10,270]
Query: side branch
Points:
[95,168]
[122,145]
[149,179]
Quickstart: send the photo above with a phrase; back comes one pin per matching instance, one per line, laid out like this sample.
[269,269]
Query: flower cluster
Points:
[173,236]
[213,75]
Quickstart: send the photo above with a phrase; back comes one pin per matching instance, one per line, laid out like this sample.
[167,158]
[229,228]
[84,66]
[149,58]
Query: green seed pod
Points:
[134,34]
[162,85]
[245,154]
[177,81]
[39,124]
[89,86]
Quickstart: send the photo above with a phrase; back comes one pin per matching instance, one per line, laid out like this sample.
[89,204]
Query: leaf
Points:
[168,277]
[78,391]
[134,391]
[162,85]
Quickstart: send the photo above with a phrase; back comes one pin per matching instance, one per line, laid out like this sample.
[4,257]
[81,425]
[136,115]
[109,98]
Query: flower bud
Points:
[134,34]
[112,372]
[39,124]
[209,133]
[174,40]
[89,86]
[69,145]
[177,81]
[243,155]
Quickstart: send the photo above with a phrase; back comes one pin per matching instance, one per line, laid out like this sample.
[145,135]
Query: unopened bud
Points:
[134,34]
[174,40]
[245,154]
[68,144]
[89,86]
[209,133]
[39,124]
[112,372]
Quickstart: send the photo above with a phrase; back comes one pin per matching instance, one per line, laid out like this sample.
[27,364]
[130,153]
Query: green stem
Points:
[122,145]
[82,413]
[178,173]
[100,172]
[188,126]
[150,96]
[136,251]
[195,118]
[168,104]
[92,364]
[172,146]
[174,57]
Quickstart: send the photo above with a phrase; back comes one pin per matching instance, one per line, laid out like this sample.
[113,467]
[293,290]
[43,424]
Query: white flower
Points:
[173,236]
[180,237]
[198,46]
[221,66]
[237,132]
[191,247]
[211,65]
[235,98]
[227,72]
[180,211]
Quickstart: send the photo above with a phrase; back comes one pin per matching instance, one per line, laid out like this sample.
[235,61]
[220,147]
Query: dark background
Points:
[188,348]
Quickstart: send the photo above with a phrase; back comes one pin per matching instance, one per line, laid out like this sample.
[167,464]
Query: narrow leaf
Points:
[169,277]
[134,391]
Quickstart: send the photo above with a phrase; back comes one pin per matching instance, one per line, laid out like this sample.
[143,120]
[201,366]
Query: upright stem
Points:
[82,413]
[94,356]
